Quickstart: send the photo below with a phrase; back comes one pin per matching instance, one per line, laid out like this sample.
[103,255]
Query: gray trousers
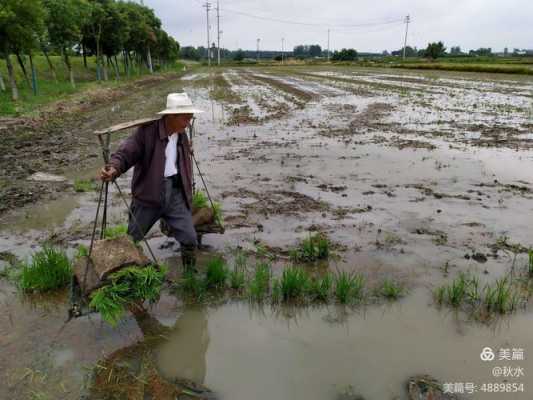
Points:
[173,210]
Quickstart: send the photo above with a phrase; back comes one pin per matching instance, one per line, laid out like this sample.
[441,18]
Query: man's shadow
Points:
[133,372]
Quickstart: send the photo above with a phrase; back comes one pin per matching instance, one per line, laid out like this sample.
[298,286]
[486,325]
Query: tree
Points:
[435,50]
[64,21]
[344,55]
[315,50]
[239,55]
[190,53]
[20,23]
[456,51]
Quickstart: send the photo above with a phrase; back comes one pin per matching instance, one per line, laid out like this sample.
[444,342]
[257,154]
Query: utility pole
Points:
[207,6]
[407,20]
[218,32]
[257,55]
[328,44]
[282,49]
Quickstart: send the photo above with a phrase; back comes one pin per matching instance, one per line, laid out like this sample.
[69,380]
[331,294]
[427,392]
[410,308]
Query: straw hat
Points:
[179,103]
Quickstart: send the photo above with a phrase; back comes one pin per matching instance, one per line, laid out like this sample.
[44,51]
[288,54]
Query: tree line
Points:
[101,28]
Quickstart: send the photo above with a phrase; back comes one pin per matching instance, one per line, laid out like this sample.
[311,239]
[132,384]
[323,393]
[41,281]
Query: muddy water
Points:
[378,161]
[244,353]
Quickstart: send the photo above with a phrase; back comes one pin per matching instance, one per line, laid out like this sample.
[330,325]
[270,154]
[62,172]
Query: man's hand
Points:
[108,173]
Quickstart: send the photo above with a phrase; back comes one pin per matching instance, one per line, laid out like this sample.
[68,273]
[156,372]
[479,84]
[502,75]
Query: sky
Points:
[366,25]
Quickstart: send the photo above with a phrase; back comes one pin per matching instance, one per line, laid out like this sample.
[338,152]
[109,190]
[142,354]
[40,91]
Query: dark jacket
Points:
[145,150]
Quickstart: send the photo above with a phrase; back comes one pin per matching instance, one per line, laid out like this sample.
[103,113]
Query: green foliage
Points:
[294,282]
[313,248]
[49,269]
[500,298]
[348,287]
[259,285]
[344,55]
[82,251]
[319,289]
[277,293]
[192,285]
[391,290]
[199,199]
[127,286]
[530,263]
[216,274]
[435,50]
[82,185]
[112,232]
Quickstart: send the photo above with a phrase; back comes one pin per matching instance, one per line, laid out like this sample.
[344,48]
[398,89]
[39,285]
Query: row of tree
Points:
[437,49]
[102,28]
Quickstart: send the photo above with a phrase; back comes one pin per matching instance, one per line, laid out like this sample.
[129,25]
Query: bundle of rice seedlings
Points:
[49,269]
[131,285]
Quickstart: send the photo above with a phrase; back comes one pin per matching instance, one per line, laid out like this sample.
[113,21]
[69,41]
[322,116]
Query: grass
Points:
[127,286]
[49,269]
[49,90]
[348,287]
[82,185]
[391,290]
[501,297]
[216,274]
[319,289]
[293,283]
[530,263]
[258,286]
[112,232]
[313,248]
[193,286]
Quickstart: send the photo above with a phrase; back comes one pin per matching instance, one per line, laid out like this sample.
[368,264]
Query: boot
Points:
[188,258]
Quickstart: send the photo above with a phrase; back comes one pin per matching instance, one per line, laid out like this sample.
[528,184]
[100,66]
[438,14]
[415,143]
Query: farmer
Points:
[161,186]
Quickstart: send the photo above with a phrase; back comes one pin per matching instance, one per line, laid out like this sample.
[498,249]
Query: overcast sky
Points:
[467,23]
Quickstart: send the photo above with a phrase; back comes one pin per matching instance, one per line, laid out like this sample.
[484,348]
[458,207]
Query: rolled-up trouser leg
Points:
[145,218]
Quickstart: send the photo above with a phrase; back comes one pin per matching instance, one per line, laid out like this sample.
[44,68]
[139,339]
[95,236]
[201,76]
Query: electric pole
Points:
[218,32]
[257,55]
[207,6]
[328,44]
[282,49]
[407,20]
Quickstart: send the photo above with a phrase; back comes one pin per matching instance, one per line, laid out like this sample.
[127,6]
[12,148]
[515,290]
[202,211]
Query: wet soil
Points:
[415,176]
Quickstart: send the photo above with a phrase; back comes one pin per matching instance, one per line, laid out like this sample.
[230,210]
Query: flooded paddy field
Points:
[414,176]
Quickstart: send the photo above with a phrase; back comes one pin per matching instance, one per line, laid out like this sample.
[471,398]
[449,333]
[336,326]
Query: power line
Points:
[284,21]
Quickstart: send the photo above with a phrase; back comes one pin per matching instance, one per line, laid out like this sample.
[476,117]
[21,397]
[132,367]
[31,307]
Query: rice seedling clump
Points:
[128,286]
[49,269]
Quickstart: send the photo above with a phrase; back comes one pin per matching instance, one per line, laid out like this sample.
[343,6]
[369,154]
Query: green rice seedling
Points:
[82,251]
[315,247]
[456,291]
[112,232]
[128,286]
[259,284]
[319,289]
[192,285]
[500,298]
[276,291]
[294,282]
[391,290]
[217,213]
[530,263]
[82,185]
[237,278]
[49,269]
[216,274]
[440,295]
[348,287]
[110,301]
[199,199]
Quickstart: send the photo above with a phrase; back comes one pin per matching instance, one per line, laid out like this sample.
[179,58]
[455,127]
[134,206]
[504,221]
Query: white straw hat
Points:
[179,103]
